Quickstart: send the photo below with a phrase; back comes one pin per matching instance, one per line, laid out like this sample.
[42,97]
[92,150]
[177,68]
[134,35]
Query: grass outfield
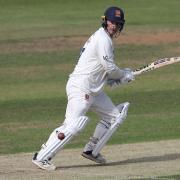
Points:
[32,80]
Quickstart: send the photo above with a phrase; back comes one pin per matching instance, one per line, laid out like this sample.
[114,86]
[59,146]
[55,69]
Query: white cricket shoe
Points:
[45,164]
[98,159]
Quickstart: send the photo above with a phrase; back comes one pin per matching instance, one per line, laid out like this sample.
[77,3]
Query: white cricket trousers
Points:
[80,102]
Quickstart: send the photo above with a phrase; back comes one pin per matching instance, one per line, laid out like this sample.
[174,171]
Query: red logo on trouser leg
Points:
[87,97]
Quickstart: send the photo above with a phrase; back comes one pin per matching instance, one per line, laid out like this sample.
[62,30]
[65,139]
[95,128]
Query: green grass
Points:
[33,100]
[32,84]
[31,19]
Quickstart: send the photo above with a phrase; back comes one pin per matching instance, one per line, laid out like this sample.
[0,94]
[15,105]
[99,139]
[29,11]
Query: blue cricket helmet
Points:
[114,14]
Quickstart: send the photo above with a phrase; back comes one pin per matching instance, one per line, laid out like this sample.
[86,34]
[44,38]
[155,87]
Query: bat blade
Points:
[156,64]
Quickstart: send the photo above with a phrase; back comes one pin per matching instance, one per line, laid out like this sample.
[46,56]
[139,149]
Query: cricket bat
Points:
[156,64]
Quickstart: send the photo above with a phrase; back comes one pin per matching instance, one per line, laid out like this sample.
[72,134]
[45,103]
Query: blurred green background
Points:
[39,46]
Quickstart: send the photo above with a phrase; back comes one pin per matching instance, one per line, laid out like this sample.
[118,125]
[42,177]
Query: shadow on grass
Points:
[167,157]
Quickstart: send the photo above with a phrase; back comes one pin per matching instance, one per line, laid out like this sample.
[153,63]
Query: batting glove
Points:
[127,77]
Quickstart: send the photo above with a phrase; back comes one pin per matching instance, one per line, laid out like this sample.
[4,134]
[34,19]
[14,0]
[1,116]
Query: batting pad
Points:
[123,108]
[54,144]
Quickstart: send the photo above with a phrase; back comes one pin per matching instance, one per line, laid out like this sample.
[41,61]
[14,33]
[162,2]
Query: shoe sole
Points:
[93,158]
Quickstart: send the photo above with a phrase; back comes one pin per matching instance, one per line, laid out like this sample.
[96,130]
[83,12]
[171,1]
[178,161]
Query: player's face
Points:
[112,28]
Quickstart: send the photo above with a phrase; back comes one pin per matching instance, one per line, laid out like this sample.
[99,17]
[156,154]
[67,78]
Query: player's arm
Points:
[114,73]
[106,57]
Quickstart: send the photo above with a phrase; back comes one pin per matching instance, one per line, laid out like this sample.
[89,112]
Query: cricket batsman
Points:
[85,92]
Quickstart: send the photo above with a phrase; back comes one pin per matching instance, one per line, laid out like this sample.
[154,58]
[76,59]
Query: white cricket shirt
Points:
[95,64]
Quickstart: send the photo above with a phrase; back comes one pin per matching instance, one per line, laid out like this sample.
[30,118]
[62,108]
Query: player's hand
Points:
[128,76]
